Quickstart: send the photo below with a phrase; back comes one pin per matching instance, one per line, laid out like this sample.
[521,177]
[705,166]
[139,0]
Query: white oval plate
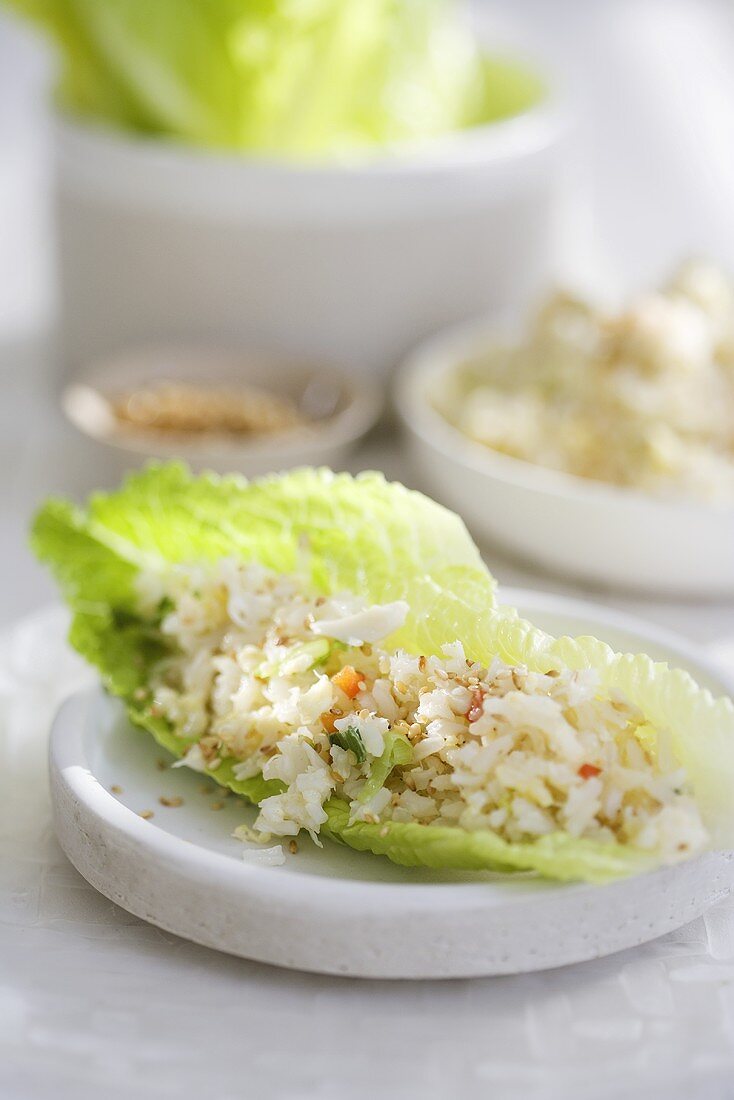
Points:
[333,910]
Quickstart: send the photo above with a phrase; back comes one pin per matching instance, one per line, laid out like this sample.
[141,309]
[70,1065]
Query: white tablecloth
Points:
[95,1003]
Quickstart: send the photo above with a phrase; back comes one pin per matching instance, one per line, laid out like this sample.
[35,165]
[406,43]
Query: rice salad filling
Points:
[306,690]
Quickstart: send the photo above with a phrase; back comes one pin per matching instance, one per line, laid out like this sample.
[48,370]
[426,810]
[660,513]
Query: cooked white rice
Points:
[642,398]
[281,681]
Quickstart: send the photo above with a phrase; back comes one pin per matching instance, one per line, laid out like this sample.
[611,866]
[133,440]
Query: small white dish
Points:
[599,533]
[334,910]
[340,409]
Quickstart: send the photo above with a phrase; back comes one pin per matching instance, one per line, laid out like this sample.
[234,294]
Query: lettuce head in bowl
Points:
[330,648]
[260,169]
[278,77]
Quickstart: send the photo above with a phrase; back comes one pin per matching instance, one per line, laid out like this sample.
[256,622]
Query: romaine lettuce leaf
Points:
[277,77]
[385,543]
[363,535]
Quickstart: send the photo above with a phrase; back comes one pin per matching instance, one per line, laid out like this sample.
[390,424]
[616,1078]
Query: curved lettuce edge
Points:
[362,534]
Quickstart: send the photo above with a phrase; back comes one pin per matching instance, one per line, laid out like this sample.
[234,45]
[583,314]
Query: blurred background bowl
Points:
[337,409]
[352,262]
[588,530]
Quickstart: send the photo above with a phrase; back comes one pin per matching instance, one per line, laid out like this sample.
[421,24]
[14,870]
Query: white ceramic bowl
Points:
[354,262]
[340,408]
[588,530]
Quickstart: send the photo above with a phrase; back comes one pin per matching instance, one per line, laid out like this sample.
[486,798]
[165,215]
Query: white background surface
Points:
[93,1002]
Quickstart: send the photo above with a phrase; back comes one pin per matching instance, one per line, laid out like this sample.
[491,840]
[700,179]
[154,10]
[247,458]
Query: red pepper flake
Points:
[587,771]
[476,706]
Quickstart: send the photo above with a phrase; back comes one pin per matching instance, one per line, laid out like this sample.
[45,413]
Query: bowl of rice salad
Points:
[331,649]
[597,443]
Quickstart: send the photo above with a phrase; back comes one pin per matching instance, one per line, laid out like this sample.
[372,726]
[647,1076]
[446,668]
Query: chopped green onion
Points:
[398,751]
[350,740]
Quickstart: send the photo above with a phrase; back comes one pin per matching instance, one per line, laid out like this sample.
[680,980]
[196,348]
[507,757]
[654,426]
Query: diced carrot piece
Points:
[586,771]
[328,721]
[348,679]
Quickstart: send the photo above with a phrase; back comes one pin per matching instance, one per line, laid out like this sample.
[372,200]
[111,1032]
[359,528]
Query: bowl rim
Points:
[440,355]
[535,129]
[363,405]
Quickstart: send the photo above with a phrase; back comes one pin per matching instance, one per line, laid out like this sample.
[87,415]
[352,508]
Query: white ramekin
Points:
[353,262]
[342,408]
[594,532]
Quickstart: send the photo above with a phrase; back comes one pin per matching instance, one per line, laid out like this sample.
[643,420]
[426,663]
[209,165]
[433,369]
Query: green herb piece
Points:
[350,739]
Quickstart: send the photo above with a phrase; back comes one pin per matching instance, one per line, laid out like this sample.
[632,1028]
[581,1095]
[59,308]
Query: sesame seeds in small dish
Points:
[219,410]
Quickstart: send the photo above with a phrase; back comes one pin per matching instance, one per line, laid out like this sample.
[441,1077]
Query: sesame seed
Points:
[115,789]
[217,805]
[147,814]
[173,801]
[292,847]
[161,765]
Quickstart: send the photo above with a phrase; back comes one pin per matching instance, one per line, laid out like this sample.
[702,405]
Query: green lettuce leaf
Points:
[383,542]
[275,76]
[362,534]
[398,752]
[557,855]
